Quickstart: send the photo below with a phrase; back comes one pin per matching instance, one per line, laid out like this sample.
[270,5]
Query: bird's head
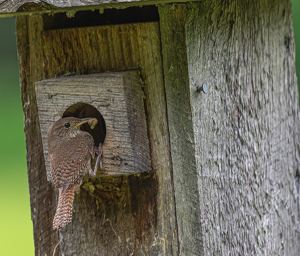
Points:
[69,127]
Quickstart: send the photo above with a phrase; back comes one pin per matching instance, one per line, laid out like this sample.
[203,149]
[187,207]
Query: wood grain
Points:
[42,194]
[242,138]
[123,215]
[187,197]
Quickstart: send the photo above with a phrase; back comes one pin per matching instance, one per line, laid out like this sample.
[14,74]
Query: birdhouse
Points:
[198,110]
[116,100]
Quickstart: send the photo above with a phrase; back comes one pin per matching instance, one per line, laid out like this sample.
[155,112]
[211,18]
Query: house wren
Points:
[70,150]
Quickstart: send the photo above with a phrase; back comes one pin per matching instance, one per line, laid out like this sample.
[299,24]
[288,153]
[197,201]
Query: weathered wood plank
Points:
[150,57]
[187,198]
[21,7]
[42,197]
[245,131]
[115,215]
[247,145]
[119,99]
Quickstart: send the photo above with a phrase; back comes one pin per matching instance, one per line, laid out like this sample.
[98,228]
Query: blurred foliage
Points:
[16,236]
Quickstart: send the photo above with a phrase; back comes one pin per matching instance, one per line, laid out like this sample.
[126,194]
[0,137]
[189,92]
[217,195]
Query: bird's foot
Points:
[98,161]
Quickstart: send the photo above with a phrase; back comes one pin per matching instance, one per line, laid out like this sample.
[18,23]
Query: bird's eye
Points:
[67,125]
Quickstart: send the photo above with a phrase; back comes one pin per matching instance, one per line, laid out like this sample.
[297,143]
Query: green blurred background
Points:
[16,232]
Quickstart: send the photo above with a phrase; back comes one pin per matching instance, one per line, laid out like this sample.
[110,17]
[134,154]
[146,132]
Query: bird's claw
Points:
[98,161]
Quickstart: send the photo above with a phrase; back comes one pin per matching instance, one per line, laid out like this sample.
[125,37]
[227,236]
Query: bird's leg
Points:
[98,161]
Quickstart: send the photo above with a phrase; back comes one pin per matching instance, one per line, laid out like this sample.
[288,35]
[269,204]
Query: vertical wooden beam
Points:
[175,63]
[42,197]
[152,72]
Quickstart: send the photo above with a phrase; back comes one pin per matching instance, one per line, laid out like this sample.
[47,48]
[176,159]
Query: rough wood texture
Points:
[42,197]
[241,186]
[187,196]
[15,7]
[124,215]
[119,99]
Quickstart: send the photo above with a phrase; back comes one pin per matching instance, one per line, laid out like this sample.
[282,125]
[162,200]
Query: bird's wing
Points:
[70,159]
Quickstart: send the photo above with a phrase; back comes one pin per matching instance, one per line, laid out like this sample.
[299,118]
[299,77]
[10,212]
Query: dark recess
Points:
[82,110]
[95,18]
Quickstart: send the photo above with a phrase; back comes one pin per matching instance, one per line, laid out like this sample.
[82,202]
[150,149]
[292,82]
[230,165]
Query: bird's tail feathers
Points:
[63,213]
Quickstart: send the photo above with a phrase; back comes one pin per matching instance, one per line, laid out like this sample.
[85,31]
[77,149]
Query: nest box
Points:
[224,165]
[116,100]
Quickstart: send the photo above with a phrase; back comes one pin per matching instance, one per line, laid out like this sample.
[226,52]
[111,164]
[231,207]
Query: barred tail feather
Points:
[63,213]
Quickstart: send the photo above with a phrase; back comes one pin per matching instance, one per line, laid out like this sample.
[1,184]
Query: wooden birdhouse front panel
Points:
[119,99]
[62,74]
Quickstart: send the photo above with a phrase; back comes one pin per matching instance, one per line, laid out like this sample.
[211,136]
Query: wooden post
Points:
[224,175]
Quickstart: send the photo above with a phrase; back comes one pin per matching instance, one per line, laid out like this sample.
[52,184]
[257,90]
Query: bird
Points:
[70,150]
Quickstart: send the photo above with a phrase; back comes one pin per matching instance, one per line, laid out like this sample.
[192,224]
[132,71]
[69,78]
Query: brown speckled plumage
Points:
[70,151]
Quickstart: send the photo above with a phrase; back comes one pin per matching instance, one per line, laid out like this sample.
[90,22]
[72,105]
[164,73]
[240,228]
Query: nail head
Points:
[202,88]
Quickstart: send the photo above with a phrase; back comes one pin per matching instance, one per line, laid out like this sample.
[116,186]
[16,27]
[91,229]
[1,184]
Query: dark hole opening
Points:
[95,18]
[82,110]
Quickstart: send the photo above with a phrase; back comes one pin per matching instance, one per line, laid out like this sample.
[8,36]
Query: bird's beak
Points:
[83,121]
